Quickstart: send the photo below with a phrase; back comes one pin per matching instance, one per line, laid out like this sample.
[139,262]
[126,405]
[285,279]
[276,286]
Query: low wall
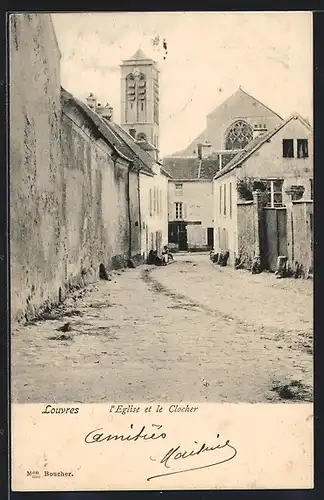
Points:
[246,232]
[302,240]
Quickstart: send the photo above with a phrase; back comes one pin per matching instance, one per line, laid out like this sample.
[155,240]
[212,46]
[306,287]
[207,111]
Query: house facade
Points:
[154,210]
[152,188]
[190,201]
[273,162]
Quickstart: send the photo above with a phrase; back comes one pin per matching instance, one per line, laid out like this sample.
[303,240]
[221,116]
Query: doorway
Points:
[183,244]
[210,237]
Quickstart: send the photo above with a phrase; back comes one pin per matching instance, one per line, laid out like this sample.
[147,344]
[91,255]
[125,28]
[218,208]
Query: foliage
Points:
[247,185]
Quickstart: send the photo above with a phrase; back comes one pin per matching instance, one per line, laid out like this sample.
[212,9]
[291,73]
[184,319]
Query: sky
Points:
[209,55]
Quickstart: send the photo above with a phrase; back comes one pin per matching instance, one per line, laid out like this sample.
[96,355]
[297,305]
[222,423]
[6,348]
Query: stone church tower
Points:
[140,98]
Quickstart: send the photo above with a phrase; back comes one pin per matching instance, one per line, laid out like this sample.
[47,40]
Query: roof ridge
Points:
[245,92]
[240,89]
[136,148]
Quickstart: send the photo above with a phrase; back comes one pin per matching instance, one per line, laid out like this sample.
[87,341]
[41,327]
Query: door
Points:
[210,237]
[183,244]
[275,221]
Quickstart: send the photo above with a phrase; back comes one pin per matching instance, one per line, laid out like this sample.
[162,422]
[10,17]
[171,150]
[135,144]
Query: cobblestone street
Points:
[191,331]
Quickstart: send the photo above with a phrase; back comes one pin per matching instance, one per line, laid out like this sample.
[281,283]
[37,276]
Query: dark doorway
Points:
[183,244]
[210,237]
[178,234]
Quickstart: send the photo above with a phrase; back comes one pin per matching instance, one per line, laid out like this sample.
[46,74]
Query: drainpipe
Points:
[129,212]
[139,210]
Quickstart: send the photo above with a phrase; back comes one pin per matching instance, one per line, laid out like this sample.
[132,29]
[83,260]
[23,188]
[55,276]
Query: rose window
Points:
[239,135]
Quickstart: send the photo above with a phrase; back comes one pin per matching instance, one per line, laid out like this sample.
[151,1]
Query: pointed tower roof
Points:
[139,54]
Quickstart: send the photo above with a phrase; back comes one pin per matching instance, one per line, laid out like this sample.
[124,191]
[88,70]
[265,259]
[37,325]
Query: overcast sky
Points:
[209,55]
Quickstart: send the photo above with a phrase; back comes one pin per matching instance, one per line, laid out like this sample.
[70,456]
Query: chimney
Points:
[220,161]
[132,132]
[259,129]
[204,150]
[105,112]
[92,101]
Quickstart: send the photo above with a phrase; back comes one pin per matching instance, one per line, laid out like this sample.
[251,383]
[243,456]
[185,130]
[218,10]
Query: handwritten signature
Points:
[174,454]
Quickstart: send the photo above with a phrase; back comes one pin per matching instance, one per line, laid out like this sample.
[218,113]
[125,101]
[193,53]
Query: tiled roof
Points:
[136,150]
[192,168]
[115,135]
[256,143]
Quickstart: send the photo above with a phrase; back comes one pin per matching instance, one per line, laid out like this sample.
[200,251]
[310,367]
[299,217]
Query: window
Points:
[161,201]
[151,212]
[220,199]
[142,106]
[225,199]
[302,148]
[154,200]
[288,148]
[230,199]
[179,210]
[274,192]
[311,188]
[178,189]
[239,135]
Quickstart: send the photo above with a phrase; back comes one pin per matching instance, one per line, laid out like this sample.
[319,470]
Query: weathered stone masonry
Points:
[36,172]
[74,200]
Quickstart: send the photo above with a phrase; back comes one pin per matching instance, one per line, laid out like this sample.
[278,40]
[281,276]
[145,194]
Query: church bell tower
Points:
[140,98]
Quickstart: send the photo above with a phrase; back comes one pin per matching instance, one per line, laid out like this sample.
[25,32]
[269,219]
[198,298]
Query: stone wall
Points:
[246,232]
[74,203]
[302,238]
[96,217]
[36,173]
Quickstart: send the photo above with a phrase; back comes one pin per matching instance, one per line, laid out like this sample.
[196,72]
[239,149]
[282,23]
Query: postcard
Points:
[161,250]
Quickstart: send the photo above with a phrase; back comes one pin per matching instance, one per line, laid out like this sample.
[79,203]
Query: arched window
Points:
[141,136]
[130,88]
[141,87]
[238,135]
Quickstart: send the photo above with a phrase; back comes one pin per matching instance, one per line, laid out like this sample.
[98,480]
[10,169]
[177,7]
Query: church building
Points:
[140,124]
[229,128]
[140,100]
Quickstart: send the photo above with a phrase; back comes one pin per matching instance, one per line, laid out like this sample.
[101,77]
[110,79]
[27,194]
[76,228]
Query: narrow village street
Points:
[191,331]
